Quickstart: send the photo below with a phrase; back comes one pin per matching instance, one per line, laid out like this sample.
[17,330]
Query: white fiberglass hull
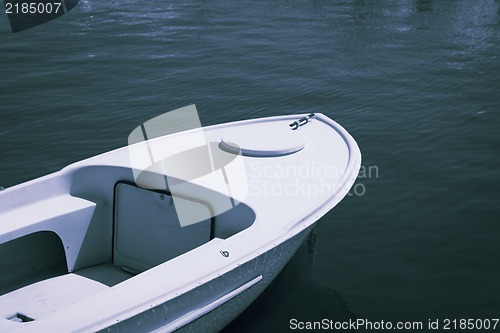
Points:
[98,246]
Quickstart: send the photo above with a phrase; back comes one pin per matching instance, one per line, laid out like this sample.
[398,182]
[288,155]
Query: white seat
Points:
[69,217]
[45,297]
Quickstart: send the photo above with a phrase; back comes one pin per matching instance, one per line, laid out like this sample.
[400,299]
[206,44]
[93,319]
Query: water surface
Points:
[415,82]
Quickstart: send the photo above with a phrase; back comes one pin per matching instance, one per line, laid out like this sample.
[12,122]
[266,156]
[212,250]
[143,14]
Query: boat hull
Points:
[185,242]
[266,265]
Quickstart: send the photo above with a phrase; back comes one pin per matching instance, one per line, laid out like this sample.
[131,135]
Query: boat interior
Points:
[106,230]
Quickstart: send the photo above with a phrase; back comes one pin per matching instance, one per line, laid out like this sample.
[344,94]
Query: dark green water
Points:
[415,82]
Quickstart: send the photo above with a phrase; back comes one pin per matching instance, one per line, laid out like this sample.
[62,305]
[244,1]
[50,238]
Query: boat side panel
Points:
[51,185]
[163,318]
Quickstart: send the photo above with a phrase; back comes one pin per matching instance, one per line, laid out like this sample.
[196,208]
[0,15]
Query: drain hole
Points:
[20,318]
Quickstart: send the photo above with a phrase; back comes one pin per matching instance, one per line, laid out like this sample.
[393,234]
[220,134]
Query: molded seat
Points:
[69,217]
[42,298]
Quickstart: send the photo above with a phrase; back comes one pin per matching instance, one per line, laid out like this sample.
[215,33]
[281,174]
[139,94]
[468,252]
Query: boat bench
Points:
[40,299]
[69,217]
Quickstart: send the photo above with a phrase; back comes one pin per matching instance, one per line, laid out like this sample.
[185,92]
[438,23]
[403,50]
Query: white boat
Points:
[99,246]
